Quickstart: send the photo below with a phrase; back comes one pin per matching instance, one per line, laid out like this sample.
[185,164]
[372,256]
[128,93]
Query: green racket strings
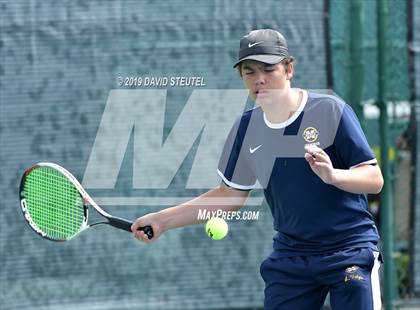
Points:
[53,203]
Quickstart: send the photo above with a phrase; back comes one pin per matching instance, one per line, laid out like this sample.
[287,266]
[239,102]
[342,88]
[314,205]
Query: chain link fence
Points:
[402,75]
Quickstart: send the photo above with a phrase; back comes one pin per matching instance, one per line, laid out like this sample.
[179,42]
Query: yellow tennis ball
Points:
[217,228]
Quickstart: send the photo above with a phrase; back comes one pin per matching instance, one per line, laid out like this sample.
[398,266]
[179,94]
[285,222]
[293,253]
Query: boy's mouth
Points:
[261,92]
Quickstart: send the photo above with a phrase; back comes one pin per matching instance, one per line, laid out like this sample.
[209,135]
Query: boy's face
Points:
[266,83]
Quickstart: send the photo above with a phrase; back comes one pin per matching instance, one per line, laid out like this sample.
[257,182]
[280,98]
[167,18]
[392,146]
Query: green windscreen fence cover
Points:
[59,63]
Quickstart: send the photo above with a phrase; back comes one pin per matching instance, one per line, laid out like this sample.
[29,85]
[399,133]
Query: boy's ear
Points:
[289,71]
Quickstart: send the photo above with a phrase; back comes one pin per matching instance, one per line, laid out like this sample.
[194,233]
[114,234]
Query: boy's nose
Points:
[260,79]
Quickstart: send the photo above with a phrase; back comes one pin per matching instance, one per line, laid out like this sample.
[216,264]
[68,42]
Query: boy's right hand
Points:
[153,220]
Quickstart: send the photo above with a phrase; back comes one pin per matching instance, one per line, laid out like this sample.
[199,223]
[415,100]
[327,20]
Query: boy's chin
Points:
[265,101]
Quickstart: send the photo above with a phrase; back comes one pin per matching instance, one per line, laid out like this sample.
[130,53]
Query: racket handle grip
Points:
[126,225]
[148,230]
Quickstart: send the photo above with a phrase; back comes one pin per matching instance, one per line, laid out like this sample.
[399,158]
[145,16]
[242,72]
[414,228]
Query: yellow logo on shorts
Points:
[310,134]
[351,274]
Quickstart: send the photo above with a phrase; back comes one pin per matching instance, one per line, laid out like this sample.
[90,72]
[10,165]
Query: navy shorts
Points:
[351,276]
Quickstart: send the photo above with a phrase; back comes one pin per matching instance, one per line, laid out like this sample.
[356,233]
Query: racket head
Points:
[52,202]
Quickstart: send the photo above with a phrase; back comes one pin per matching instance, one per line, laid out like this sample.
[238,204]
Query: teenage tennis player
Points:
[310,155]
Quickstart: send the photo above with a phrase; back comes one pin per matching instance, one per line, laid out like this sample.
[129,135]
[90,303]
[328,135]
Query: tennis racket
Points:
[56,206]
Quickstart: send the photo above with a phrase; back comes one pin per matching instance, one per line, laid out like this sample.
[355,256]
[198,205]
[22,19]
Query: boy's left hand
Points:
[320,163]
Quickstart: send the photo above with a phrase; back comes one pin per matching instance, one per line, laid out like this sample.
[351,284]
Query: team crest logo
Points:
[310,134]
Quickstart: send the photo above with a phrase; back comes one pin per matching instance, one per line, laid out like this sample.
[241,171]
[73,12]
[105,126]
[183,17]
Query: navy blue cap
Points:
[265,45]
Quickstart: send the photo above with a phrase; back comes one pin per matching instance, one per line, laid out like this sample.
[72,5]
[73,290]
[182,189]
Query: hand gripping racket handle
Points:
[126,225]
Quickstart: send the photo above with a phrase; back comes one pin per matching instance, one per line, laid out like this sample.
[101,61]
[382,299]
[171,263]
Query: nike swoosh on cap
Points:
[252,44]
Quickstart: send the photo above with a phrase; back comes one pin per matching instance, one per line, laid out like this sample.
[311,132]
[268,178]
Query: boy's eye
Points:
[269,69]
[249,72]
